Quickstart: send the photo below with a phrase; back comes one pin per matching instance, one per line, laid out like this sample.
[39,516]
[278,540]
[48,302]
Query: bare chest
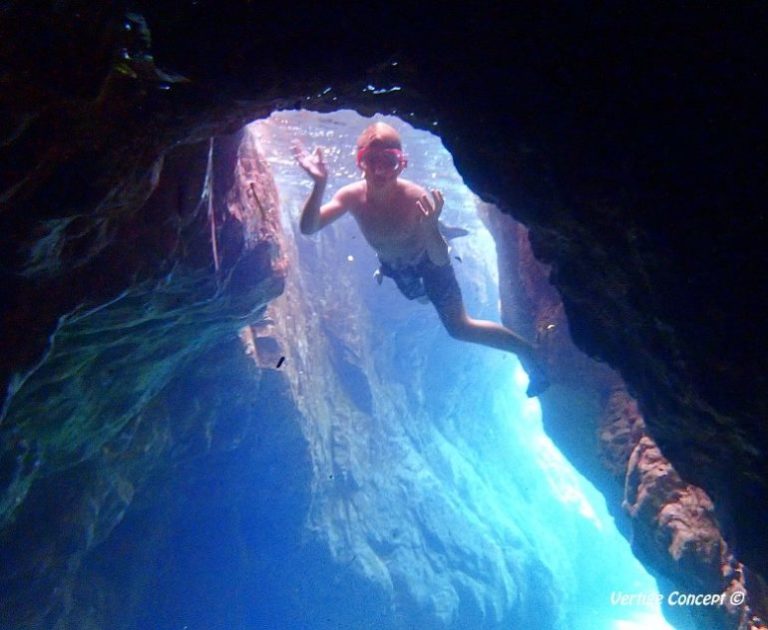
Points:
[390,225]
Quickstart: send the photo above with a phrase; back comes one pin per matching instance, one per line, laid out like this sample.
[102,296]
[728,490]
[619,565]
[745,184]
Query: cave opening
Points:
[430,461]
[133,411]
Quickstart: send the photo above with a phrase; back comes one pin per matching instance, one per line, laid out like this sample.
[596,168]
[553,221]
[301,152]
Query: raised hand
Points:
[312,163]
[431,211]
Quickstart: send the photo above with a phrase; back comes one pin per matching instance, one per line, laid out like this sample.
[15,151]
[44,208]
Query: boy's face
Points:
[381,163]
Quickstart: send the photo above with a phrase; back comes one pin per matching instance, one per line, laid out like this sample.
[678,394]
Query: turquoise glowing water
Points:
[496,470]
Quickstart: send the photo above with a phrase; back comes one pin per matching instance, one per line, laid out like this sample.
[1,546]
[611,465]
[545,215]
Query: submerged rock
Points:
[624,139]
[89,424]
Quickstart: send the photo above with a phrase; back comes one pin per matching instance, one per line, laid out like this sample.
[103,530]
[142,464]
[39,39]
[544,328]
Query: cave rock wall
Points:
[85,429]
[591,416]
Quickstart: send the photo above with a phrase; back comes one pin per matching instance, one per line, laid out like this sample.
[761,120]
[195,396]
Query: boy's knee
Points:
[456,328]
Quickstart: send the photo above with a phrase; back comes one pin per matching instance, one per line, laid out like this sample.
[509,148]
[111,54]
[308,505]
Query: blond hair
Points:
[379,134]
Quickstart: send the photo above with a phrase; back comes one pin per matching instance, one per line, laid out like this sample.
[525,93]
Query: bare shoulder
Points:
[351,194]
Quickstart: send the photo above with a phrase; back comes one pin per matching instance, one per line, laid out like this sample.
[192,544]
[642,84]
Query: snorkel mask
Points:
[389,160]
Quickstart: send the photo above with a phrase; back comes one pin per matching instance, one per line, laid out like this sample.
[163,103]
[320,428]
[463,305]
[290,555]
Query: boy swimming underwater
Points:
[399,219]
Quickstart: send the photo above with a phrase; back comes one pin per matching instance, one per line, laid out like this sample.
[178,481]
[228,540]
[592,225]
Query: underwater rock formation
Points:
[590,414]
[88,425]
[624,139]
[328,477]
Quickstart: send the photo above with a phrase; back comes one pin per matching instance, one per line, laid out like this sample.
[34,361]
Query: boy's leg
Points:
[444,292]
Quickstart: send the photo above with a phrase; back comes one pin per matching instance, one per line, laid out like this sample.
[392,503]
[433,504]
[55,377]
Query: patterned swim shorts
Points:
[423,277]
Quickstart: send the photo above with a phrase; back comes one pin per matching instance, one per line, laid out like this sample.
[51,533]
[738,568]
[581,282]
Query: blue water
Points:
[426,462]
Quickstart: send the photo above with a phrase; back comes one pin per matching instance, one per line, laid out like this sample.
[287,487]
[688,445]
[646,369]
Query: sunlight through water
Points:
[507,475]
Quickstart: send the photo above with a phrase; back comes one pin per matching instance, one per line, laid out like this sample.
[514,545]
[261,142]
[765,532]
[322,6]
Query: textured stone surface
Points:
[676,532]
[671,523]
[92,421]
[625,139]
[581,385]
[398,493]
[350,474]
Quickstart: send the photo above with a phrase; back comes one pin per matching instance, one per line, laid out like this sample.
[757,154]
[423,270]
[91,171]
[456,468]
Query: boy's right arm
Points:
[315,216]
